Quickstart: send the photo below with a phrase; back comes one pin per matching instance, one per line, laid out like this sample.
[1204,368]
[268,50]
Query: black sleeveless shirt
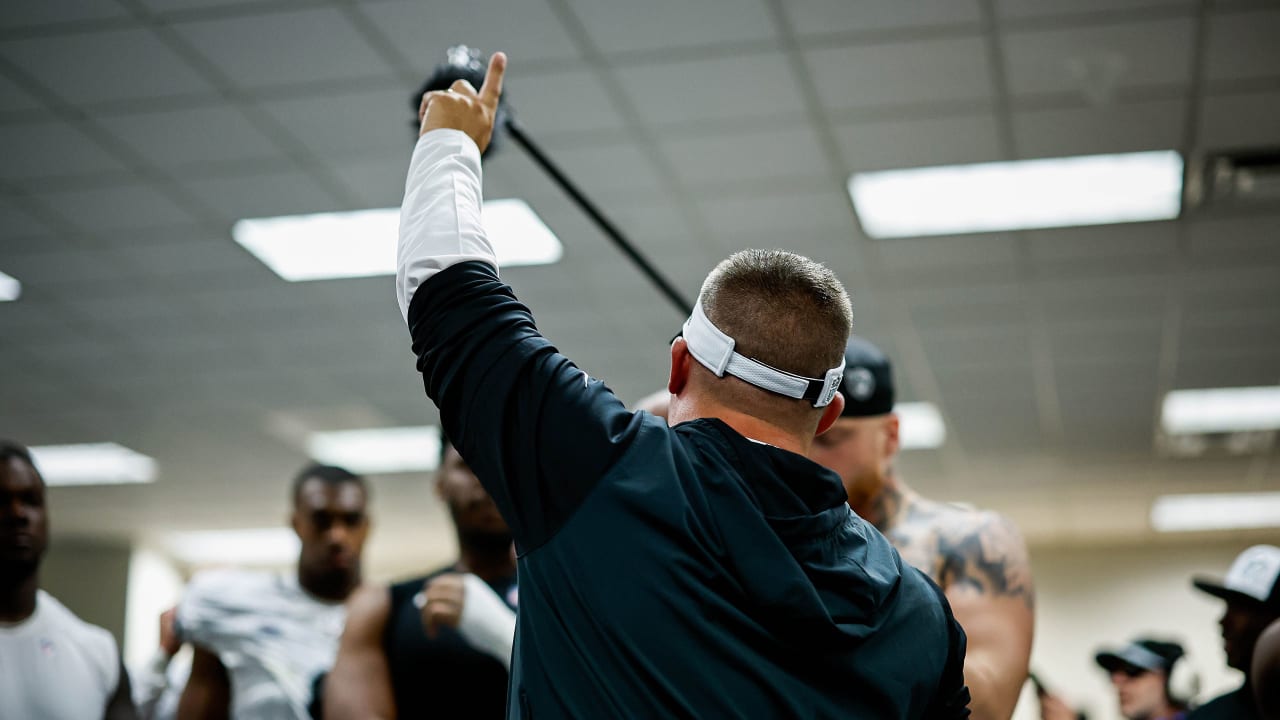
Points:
[445,677]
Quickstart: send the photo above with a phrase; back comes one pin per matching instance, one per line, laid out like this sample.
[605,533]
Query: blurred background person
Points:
[261,638]
[978,558]
[439,645]
[1141,674]
[53,665]
[1251,591]
[157,686]
[1266,672]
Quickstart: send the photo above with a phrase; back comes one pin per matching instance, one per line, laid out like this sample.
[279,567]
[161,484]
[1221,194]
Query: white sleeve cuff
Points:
[440,221]
[487,622]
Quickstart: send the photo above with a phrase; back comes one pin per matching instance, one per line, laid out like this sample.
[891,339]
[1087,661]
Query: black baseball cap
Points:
[868,380]
[1142,653]
[1254,578]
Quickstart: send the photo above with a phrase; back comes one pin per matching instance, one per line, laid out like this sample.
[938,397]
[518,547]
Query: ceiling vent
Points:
[1235,179]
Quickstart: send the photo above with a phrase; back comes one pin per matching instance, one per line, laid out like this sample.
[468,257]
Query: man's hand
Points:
[170,643]
[443,598]
[462,107]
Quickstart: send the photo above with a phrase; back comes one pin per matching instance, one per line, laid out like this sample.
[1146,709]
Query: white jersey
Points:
[55,666]
[270,634]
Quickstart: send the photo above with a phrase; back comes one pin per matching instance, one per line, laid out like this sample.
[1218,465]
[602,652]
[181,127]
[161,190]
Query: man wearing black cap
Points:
[1252,593]
[703,568]
[978,558]
[1140,673]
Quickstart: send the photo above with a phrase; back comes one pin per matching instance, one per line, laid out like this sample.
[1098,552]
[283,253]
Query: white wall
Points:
[1104,595]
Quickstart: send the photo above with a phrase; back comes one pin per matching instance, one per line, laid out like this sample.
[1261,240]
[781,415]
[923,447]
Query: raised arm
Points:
[207,695]
[359,685]
[537,430]
[987,578]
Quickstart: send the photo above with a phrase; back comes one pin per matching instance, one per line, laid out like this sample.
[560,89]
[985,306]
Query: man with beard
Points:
[978,558]
[261,638]
[1252,593]
[53,665]
[435,646]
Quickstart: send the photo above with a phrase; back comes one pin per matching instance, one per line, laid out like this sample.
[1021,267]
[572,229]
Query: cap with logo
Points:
[867,384]
[1254,577]
[1143,654]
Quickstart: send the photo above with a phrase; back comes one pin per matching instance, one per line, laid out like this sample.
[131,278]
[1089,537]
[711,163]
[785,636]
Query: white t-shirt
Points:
[270,634]
[55,666]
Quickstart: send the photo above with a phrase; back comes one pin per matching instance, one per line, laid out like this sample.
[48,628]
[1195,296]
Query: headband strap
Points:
[714,351]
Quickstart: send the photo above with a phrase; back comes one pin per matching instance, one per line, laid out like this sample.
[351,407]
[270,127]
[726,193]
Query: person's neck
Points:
[488,565]
[748,426]
[19,602]
[890,507]
[320,590]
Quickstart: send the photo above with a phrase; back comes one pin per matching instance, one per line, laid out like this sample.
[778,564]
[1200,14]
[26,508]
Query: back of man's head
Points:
[783,310]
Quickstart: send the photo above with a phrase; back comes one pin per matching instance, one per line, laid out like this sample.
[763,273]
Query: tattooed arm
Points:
[987,578]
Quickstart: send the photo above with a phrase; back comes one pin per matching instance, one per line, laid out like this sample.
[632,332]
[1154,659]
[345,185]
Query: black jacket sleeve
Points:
[538,432]
[952,698]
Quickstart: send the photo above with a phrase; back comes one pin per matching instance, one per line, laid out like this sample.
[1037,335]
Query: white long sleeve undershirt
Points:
[440,222]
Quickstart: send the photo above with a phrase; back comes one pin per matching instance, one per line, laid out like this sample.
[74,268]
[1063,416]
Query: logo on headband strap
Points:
[714,351]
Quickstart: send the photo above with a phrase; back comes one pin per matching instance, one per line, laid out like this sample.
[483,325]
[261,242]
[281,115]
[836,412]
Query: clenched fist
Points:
[464,108]
[443,598]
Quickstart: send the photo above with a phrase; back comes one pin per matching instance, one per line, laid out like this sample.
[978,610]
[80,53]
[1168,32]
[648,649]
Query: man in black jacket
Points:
[706,569]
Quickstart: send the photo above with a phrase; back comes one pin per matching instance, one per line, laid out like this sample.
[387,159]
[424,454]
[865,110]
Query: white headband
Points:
[714,350]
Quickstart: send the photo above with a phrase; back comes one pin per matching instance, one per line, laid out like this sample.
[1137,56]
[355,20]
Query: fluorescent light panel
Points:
[1020,195]
[920,426]
[1223,511]
[378,450]
[92,464]
[1221,410]
[10,288]
[363,243]
[250,546]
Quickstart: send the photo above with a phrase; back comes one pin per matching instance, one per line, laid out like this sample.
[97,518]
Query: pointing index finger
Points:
[491,90]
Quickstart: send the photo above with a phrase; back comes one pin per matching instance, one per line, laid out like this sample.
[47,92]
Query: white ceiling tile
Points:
[263,195]
[14,98]
[181,138]
[280,49]
[663,24]
[50,149]
[423,32]
[1100,129]
[889,144]
[611,170]
[1039,8]
[1100,59]
[982,249]
[22,13]
[116,207]
[985,304]
[349,124]
[110,65]
[1103,243]
[780,213]
[1239,121]
[378,180]
[904,73]
[822,17]
[729,157]
[16,222]
[711,90]
[561,103]
[1247,240]
[179,5]
[1243,45]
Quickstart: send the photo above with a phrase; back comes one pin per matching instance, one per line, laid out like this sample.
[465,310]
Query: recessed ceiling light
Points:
[378,450]
[920,425]
[362,243]
[1215,511]
[10,288]
[92,464]
[250,546]
[1020,195]
[1221,410]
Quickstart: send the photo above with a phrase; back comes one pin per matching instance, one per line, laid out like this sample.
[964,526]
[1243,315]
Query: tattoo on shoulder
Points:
[989,556]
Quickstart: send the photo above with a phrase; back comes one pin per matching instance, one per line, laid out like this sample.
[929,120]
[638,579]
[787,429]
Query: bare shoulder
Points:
[984,552]
[368,609]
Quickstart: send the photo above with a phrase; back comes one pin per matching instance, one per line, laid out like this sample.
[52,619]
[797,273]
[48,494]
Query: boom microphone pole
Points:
[468,64]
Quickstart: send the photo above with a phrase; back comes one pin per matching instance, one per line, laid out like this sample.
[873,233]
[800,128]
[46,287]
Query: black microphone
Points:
[462,63]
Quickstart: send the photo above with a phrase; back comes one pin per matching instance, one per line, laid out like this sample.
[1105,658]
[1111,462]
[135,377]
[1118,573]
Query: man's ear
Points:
[830,414]
[891,439]
[680,365]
